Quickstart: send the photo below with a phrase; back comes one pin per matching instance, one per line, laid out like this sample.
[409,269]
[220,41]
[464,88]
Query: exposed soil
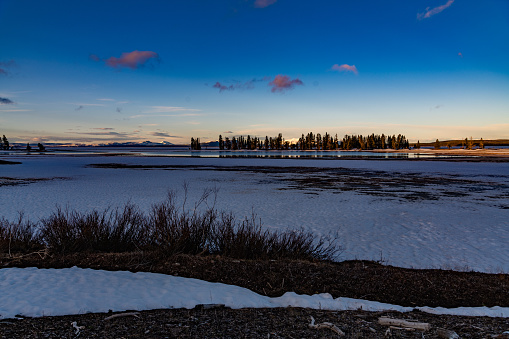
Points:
[246,323]
[356,279]
[5,162]
[383,184]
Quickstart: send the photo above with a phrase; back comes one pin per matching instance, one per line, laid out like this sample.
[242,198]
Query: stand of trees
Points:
[467,143]
[315,142]
[195,144]
[5,143]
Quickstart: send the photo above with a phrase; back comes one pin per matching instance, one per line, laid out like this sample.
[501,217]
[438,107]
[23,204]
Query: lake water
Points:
[214,153]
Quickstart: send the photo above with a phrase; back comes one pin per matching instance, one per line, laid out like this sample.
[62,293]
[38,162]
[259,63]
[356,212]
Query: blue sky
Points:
[97,71]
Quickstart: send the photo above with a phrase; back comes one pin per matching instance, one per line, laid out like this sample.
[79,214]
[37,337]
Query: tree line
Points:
[313,141]
[5,145]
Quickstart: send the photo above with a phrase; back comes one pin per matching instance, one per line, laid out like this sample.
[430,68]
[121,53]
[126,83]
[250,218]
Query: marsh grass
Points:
[167,229]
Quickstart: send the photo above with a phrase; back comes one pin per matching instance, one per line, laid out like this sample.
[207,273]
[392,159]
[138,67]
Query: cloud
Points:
[108,133]
[5,101]
[223,87]
[170,109]
[345,68]
[80,104]
[132,60]
[430,12]
[164,135]
[238,85]
[4,64]
[282,83]
[15,110]
[106,99]
[94,57]
[460,55]
[228,132]
[104,128]
[264,3]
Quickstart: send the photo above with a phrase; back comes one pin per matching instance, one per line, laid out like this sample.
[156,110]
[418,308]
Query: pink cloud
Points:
[264,3]
[282,83]
[345,68]
[223,87]
[430,12]
[460,55]
[133,60]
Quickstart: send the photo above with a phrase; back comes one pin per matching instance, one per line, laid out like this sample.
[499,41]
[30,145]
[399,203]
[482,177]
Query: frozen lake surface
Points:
[421,214]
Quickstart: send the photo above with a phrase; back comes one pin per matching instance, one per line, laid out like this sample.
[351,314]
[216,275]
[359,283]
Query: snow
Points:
[34,292]
[461,232]
[468,232]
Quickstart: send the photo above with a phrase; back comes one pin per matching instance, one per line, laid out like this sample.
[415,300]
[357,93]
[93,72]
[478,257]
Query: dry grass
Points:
[168,229]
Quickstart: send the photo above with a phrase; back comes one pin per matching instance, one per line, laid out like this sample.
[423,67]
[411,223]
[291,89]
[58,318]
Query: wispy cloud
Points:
[283,83]
[132,60]
[15,110]
[104,133]
[239,85]
[6,101]
[4,65]
[223,87]
[430,12]
[228,132]
[163,135]
[104,128]
[264,3]
[170,109]
[106,99]
[84,105]
[345,68]
[94,57]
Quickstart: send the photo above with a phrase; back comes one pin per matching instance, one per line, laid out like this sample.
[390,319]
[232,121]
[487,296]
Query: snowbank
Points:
[37,292]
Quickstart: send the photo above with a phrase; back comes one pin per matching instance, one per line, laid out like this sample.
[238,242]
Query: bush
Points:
[168,229]
[118,231]
[19,237]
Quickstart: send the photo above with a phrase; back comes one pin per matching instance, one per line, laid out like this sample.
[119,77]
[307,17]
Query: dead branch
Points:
[326,325]
[120,315]
[385,321]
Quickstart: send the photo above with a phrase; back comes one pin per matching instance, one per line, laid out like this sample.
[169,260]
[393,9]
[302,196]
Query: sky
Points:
[128,71]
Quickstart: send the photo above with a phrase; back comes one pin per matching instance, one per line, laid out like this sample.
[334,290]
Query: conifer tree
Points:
[5,142]
[221,142]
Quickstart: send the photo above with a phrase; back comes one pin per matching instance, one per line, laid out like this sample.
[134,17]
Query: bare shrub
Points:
[106,231]
[19,237]
[248,240]
[173,230]
[167,229]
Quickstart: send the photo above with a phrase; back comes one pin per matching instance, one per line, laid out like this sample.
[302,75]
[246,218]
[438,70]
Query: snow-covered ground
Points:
[50,292]
[421,214]
[429,214]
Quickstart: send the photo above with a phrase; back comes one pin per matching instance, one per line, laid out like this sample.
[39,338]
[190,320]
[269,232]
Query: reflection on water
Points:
[214,153]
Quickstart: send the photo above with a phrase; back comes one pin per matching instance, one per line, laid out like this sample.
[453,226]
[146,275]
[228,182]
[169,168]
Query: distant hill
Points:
[456,143]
